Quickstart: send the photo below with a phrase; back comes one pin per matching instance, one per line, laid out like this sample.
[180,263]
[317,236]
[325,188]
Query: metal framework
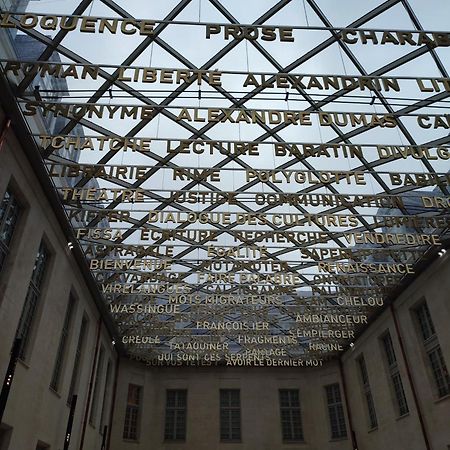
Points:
[191,256]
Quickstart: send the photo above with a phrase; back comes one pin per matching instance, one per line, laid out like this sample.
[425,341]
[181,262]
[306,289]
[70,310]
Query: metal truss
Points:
[281,318]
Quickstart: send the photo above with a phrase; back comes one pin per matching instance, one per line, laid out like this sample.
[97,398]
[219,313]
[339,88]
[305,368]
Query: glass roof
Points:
[250,181]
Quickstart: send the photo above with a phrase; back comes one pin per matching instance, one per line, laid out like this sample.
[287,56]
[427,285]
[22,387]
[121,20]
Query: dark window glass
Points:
[363,371]
[77,360]
[291,420]
[95,396]
[425,321]
[373,422]
[336,412]
[433,350]
[130,427]
[176,412]
[106,394]
[5,436]
[9,212]
[402,404]
[41,446]
[230,415]
[389,349]
[400,398]
[440,372]
[60,355]
[31,301]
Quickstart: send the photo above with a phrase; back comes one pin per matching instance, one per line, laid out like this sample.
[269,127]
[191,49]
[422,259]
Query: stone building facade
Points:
[391,389]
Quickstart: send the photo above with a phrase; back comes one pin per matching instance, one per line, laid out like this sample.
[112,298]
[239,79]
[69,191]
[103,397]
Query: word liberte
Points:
[152,75]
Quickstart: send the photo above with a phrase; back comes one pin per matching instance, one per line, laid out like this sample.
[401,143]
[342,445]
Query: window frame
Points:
[104,416]
[337,407]
[226,415]
[396,387]
[176,409]
[367,393]
[97,387]
[64,341]
[78,357]
[436,367]
[291,410]
[131,424]
[5,245]
[26,326]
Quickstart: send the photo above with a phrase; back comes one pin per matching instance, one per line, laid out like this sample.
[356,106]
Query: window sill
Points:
[232,441]
[371,430]
[293,442]
[55,393]
[340,439]
[403,416]
[131,441]
[442,399]
[23,363]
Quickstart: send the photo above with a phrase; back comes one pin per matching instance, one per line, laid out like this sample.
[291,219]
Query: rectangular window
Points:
[291,421]
[176,406]
[425,322]
[396,380]
[433,350]
[5,436]
[373,423]
[95,395]
[440,372]
[42,446]
[130,428]
[336,411]
[106,394]
[230,415]
[61,353]
[9,212]
[77,361]
[31,301]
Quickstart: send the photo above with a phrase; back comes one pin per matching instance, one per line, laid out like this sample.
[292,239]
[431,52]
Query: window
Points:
[60,355]
[433,350]
[77,361]
[106,393]
[176,405]
[440,372]
[230,415]
[396,380]
[9,212]
[98,375]
[425,322]
[130,428]
[291,421]
[5,436]
[373,423]
[31,301]
[336,411]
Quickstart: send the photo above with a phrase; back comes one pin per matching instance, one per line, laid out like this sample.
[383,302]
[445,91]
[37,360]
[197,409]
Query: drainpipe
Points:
[91,383]
[410,379]
[349,412]
[5,130]
[113,403]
